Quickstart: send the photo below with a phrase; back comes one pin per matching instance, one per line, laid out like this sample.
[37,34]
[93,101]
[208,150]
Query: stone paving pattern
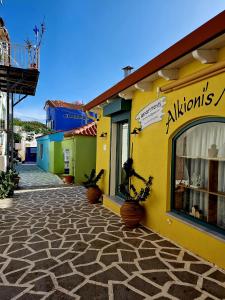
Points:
[33,176]
[55,245]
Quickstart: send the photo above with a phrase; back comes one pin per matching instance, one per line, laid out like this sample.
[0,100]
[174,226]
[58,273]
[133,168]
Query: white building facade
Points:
[4,60]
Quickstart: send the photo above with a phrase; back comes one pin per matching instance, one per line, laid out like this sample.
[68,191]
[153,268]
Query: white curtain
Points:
[194,144]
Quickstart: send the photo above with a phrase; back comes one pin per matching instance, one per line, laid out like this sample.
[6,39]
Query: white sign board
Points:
[152,113]
[66,155]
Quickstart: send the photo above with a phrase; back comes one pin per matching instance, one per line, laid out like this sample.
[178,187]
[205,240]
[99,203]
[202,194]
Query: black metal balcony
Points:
[18,68]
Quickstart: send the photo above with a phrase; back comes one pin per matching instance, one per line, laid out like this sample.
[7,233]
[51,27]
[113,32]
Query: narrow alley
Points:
[32,176]
[55,245]
[112,155]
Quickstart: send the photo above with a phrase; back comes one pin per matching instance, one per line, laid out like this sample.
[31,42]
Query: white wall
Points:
[3,137]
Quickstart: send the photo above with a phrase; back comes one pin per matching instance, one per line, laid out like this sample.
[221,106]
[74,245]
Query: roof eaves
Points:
[209,30]
[48,102]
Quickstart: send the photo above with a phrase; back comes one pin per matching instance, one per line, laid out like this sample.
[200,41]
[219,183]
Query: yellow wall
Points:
[152,156]
[103,151]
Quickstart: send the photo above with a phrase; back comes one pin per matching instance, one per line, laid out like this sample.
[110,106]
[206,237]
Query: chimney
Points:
[127,70]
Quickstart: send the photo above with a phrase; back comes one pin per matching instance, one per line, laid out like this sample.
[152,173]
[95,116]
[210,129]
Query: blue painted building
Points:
[43,148]
[65,116]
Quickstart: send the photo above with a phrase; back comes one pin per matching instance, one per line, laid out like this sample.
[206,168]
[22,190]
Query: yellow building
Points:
[169,116]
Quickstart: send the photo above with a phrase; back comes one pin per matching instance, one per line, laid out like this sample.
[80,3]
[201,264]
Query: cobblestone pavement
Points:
[54,245]
[32,176]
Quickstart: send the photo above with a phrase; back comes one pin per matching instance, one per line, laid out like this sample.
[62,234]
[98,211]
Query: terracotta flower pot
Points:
[131,213]
[93,194]
[68,179]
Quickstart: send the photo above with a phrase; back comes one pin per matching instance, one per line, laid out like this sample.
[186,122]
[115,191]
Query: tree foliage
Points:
[17,137]
[31,126]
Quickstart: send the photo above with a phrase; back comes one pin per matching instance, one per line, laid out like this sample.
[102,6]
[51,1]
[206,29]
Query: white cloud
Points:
[28,115]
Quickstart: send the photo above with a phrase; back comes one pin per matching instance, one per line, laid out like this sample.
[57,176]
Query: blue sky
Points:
[87,42]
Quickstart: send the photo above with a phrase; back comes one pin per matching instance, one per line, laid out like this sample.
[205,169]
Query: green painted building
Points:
[76,153]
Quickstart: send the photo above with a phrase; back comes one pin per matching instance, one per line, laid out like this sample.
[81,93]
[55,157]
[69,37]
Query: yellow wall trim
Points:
[111,205]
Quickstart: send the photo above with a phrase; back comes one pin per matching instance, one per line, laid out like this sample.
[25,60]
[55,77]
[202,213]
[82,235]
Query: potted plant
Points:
[68,179]
[16,178]
[6,188]
[131,211]
[17,143]
[2,124]
[13,171]
[33,66]
[93,190]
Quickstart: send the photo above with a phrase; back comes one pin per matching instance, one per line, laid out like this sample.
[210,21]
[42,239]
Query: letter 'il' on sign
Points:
[152,113]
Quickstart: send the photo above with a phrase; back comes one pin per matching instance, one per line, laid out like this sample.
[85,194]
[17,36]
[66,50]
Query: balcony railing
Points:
[19,56]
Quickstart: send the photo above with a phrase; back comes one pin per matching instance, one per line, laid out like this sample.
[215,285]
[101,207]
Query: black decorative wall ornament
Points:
[128,190]
[136,130]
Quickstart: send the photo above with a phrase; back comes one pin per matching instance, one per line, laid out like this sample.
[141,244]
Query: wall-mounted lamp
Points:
[103,134]
[136,130]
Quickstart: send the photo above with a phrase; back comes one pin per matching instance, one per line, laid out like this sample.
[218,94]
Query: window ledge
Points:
[199,227]
[113,203]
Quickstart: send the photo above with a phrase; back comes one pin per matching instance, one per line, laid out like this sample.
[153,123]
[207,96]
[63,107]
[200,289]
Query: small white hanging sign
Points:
[152,113]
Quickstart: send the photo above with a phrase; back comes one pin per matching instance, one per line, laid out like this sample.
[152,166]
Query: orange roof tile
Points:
[87,130]
[60,103]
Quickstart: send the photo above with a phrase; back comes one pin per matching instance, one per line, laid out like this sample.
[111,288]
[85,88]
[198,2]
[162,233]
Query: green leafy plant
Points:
[2,121]
[6,184]
[92,179]
[128,189]
[17,137]
[15,176]
[14,173]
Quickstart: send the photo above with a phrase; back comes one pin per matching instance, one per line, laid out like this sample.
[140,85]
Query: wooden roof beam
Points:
[205,56]
[168,74]
[144,86]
